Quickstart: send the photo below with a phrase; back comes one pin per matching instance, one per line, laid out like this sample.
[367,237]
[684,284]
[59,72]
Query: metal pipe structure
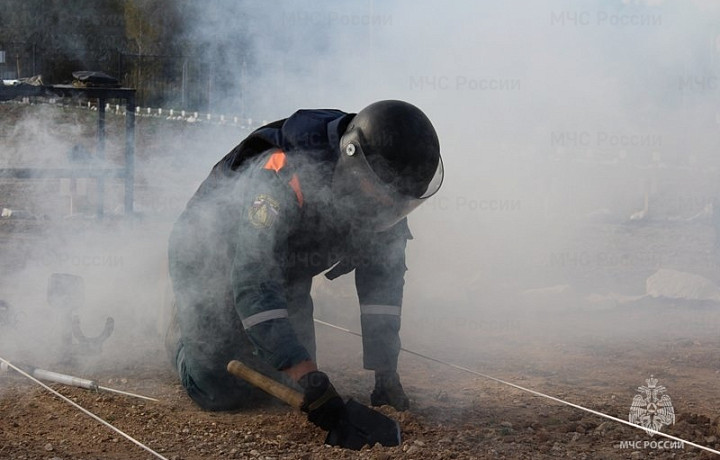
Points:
[102,172]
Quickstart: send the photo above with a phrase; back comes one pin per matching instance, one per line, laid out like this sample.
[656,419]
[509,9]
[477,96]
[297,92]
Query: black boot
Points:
[389,391]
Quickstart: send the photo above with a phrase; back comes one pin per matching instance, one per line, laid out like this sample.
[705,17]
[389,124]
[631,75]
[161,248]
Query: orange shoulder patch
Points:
[276,162]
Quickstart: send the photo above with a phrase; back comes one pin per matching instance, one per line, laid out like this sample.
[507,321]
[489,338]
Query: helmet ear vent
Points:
[350,149]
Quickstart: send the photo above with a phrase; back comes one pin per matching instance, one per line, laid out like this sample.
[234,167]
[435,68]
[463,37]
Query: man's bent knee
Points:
[213,390]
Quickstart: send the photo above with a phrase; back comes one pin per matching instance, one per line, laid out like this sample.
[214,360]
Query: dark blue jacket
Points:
[263,221]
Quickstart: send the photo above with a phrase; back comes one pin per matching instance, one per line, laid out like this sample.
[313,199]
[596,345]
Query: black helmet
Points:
[389,163]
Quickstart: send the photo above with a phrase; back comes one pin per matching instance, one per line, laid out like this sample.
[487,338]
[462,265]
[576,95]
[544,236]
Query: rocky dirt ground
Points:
[453,415]
[593,354]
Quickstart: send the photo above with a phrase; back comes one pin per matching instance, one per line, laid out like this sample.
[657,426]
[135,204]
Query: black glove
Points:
[323,405]
[389,391]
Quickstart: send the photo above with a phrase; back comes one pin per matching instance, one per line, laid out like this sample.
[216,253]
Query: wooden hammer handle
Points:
[265,383]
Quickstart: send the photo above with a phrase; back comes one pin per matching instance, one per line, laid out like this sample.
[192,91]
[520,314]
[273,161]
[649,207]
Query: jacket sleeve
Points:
[258,275]
[380,280]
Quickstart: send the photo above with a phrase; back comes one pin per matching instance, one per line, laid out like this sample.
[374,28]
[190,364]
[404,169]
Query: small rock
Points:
[412,450]
[543,436]
[48,447]
[602,428]
[711,439]
[637,454]
[418,443]
[506,424]
[568,428]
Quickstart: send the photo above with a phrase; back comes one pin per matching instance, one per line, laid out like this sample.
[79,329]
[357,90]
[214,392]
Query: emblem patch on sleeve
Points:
[264,211]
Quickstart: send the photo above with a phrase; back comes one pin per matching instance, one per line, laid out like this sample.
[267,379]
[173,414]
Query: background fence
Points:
[171,81]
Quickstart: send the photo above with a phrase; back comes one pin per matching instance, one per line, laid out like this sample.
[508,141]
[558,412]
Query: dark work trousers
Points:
[211,335]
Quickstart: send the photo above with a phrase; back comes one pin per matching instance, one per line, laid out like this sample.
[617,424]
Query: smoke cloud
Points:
[553,117]
[558,121]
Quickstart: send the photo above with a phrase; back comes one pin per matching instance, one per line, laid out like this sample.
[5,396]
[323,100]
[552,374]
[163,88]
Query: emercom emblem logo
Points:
[652,408]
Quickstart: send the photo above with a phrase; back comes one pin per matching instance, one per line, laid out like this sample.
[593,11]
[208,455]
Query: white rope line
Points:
[83,410]
[536,393]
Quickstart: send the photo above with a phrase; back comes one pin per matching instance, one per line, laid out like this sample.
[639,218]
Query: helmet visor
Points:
[363,199]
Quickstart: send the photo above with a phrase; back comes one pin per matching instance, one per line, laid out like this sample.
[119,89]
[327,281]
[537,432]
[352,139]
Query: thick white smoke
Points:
[554,117]
[556,120]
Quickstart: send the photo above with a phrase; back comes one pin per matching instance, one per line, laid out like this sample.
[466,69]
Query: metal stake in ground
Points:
[82,409]
[69,380]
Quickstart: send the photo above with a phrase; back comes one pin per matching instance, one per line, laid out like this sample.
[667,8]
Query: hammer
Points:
[362,425]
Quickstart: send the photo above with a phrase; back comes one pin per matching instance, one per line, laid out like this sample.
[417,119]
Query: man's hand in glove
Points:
[389,391]
[323,405]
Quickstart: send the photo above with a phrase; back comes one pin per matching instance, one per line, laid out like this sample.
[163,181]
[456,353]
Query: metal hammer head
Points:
[364,426]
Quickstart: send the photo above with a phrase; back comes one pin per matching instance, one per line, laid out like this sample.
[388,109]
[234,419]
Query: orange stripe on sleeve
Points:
[295,184]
